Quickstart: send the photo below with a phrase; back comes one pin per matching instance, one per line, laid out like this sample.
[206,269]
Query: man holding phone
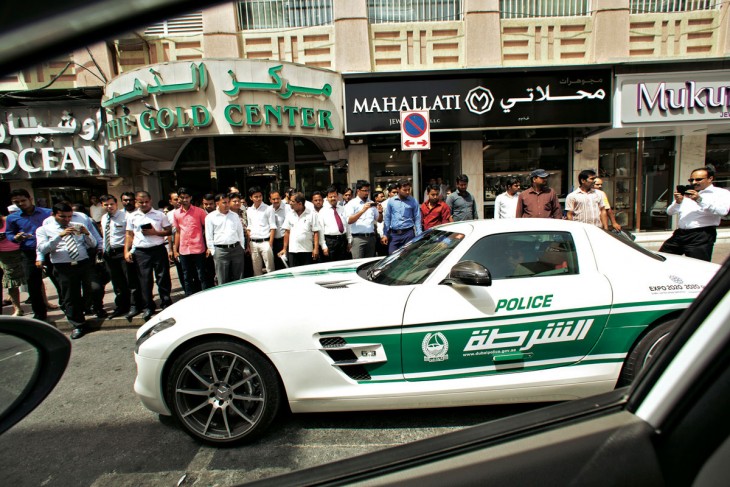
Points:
[362,213]
[146,232]
[67,245]
[700,207]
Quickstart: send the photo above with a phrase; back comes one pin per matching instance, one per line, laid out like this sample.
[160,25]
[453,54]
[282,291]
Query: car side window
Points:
[525,254]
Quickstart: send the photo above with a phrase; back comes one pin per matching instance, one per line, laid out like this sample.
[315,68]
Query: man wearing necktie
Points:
[67,245]
[334,234]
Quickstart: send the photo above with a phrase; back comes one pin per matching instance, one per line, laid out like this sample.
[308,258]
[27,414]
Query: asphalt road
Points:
[92,431]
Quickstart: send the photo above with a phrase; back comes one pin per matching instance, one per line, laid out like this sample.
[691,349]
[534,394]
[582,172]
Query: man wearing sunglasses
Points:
[700,207]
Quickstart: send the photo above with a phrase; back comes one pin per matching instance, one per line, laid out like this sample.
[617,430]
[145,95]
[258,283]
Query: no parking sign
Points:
[415,130]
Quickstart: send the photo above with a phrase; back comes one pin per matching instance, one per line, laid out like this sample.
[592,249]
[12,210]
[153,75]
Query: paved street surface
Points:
[92,431]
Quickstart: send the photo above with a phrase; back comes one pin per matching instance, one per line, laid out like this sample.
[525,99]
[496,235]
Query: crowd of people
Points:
[214,239]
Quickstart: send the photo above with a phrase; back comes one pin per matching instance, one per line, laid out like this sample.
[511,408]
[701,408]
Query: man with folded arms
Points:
[224,236]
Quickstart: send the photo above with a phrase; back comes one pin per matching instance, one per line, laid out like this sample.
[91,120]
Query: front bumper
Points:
[148,386]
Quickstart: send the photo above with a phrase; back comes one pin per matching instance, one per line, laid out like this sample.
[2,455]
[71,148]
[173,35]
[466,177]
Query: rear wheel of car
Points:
[644,352]
[223,392]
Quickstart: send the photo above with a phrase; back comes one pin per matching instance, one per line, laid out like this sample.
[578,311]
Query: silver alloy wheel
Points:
[220,395]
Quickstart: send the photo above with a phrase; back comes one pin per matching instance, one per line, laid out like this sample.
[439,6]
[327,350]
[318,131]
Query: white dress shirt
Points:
[223,229]
[328,224]
[49,241]
[714,204]
[136,219]
[301,230]
[505,206]
[117,228]
[261,221]
[366,222]
[279,217]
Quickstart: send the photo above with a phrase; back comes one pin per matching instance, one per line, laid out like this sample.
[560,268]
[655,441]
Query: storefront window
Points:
[507,159]
[637,178]
[389,164]
[718,154]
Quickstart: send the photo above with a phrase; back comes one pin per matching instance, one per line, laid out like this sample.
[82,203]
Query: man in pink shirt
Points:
[189,246]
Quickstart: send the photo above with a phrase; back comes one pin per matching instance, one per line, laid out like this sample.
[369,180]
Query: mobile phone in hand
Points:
[146,226]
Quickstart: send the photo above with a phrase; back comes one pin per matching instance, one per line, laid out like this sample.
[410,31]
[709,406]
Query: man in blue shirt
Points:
[21,228]
[401,218]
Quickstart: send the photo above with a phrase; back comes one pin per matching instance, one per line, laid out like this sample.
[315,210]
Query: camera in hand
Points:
[682,189]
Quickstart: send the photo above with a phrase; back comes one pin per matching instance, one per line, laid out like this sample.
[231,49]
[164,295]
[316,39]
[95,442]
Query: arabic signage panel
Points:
[415,132]
[673,97]
[65,141]
[476,100]
[223,97]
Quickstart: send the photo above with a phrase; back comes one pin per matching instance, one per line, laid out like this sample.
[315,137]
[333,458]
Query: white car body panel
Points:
[285,314]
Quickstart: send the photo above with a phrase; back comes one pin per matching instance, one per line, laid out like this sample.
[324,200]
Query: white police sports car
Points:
[469,313]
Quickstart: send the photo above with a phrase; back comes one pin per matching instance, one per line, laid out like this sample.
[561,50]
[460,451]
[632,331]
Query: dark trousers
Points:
[696,242]
[336,247]
[194,276]
[398,240]
[300,258]
[153,260]
[71,279]
[278,247]
[124,280]
[34,275]
[229,264]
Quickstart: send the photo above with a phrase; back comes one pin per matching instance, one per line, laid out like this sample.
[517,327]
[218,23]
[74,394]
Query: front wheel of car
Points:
[644,352]
[223,392]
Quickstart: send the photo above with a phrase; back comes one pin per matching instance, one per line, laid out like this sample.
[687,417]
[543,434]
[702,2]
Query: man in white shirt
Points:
[96,209]
[700,209]
[505,205]
[67,246]
[362,214]
[261,231]
[280,210]
[146,232]
[334,234]
[114,231]
[225,240]
[301,233]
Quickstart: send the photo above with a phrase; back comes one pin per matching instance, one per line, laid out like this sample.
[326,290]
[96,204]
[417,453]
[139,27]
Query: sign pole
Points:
[416,163]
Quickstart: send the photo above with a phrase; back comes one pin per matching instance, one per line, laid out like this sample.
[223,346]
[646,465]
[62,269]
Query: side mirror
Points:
[469,273]
[33,357]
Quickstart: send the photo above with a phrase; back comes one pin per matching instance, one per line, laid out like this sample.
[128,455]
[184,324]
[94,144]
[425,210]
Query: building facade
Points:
[235,95]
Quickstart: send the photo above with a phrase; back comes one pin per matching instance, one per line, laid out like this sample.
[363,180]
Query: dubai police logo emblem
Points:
[435,347]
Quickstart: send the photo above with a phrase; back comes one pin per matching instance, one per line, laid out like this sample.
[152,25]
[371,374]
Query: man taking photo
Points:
[700,207]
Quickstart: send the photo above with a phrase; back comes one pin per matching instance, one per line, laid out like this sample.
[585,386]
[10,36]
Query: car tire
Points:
[223,392]
[644,352]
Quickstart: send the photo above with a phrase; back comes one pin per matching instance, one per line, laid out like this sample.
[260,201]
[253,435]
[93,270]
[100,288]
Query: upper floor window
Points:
[385,11]
[518,9]
[669,6]
[281,14]
[191,23]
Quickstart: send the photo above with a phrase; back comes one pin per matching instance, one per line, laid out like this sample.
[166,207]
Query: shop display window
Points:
[506,159]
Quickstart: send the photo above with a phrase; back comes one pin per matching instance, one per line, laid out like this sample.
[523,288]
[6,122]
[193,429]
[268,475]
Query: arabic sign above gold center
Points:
[222,97]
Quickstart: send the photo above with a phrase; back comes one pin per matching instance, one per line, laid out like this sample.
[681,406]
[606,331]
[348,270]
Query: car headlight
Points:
[162,325]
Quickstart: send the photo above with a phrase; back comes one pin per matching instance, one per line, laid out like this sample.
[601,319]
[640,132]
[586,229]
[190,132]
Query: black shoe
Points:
[133,311]
[77,333]
[118,312]
[101,314]
[166,304]
[39,317]
[148,314]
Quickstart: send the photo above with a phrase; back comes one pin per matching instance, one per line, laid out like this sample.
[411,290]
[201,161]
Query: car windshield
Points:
[413,263]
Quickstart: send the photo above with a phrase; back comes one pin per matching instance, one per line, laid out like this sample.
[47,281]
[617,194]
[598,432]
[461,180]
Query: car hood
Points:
[303,301]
